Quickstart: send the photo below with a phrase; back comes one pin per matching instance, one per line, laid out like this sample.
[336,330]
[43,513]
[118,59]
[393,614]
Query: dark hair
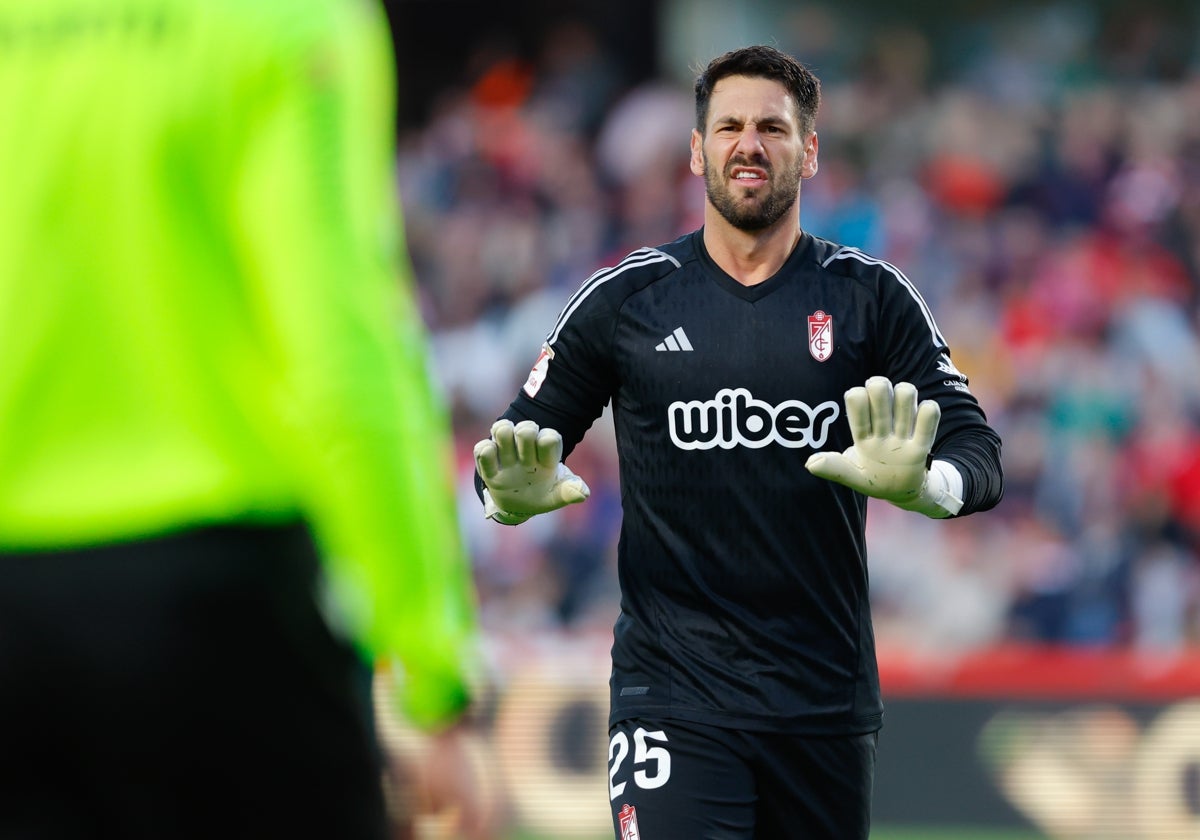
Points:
[765,63]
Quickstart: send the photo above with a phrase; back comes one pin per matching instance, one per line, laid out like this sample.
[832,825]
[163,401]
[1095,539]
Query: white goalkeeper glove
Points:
[892,439]
[523,473]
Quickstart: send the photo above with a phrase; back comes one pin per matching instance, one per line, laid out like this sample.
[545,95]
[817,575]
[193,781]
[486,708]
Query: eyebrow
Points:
[770,120]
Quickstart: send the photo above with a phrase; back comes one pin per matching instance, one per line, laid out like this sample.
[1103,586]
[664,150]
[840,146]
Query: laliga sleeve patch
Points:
[538,375]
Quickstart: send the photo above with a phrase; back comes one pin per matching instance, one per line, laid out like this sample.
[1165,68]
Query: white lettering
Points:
[734,418]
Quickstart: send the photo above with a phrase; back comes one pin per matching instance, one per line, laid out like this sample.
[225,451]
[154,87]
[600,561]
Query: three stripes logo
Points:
[676,341]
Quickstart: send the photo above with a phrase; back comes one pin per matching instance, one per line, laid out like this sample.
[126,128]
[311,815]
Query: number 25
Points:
[618,751]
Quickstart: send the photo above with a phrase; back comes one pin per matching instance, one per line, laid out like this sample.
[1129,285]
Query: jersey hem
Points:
[808,725]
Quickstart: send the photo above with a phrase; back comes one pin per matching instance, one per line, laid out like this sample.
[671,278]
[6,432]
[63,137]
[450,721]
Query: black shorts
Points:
[181,687]
[677,780]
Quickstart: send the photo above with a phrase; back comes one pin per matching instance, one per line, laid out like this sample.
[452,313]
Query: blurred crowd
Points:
[1037,175]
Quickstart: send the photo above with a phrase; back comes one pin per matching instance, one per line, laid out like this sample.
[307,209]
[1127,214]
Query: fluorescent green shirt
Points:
[202,312]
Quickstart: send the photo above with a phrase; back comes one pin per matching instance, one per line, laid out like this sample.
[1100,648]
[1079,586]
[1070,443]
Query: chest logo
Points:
[734,418]
[820,335]
[675,342]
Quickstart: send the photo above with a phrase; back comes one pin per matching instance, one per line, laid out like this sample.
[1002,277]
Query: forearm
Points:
[976,456]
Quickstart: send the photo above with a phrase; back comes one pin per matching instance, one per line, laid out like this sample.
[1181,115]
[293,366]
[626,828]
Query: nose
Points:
[750,142]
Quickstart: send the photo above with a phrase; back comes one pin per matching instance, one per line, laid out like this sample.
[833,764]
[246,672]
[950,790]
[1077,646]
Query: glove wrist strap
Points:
[493,511]
[941,494]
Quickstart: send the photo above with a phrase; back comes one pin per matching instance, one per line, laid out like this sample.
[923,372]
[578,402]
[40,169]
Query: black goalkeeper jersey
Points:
[744,577]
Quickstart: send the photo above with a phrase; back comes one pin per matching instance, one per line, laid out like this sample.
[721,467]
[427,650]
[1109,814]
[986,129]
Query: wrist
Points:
[941,492]
[493,511]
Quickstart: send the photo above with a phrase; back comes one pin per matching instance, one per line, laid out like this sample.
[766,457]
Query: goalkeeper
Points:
[225,482]
[764,383]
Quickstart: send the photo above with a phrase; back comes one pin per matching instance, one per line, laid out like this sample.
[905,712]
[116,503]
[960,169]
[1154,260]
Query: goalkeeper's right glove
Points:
[523,474]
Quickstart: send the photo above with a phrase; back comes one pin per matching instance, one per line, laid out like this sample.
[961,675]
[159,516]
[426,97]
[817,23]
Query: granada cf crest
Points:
[820,335]
[628,820]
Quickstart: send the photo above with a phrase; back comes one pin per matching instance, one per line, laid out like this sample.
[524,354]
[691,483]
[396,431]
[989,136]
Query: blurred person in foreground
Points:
[224,475]
[764,383]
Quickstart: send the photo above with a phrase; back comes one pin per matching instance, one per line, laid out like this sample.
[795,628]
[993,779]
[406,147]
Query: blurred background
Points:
[1034,167]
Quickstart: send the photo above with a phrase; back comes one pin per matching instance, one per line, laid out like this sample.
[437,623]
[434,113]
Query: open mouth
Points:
[748,176]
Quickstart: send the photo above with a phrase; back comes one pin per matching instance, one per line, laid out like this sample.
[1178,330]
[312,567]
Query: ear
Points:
[697,161]
[809,167]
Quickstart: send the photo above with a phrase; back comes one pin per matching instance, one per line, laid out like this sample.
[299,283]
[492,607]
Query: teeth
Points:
[747,176]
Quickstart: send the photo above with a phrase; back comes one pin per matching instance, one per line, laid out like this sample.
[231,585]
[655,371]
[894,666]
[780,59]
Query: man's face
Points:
[752,154]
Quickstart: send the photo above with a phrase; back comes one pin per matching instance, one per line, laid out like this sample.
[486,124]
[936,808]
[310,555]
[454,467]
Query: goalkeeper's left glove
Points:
[889,458]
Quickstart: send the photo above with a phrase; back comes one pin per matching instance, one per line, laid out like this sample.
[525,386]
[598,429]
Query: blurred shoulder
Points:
[283,25]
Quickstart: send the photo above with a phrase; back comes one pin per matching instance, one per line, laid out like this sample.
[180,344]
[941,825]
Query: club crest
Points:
[629,825]
[820,335]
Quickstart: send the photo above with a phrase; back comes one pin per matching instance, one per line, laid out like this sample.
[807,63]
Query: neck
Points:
[750,257]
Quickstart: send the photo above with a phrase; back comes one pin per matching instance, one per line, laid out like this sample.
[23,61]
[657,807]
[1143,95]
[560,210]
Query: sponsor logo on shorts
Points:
[628,821]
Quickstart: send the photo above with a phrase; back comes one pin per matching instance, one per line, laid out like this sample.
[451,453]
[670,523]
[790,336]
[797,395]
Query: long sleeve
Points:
[373,439]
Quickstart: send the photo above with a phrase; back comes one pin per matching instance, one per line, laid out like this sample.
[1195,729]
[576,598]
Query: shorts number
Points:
[658,757]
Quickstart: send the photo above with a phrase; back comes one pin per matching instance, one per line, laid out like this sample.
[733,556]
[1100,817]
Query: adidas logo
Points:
[677,340]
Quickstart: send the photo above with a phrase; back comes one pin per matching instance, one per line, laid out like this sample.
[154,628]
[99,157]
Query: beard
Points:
[744,213]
